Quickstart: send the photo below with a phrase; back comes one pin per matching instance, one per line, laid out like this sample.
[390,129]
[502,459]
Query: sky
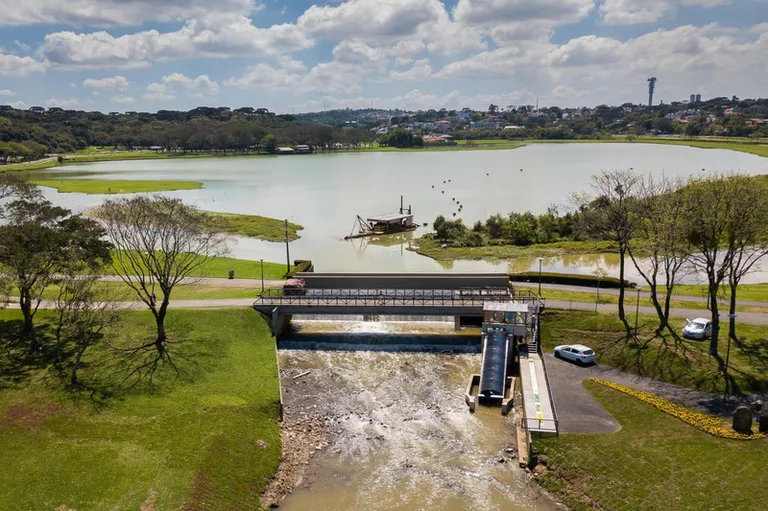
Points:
[310,55]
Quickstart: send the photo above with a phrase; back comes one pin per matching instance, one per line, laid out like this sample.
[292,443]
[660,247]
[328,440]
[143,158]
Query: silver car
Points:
[578,353]
[699,328]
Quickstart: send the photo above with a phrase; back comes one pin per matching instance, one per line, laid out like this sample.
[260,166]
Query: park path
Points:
[569,393]
[753,318]
[632,293]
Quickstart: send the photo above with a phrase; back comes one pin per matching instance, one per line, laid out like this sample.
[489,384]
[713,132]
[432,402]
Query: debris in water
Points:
[301,375]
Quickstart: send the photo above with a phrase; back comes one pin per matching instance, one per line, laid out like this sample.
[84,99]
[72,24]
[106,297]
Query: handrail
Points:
[387,297]
[537,336]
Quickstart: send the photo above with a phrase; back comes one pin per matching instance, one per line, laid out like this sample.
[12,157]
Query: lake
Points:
[326,192]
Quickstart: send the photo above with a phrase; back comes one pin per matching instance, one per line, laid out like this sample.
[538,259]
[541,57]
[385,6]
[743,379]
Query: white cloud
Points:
[587,50]
[418,100]
[403,61]
[494,12]
[370,20]
[421,70]
[290,64]
[158,92]
[115,82]
[63,103]
[355,52]
[13,66]
[567,92]
[215,36]
[18,105]
[265,77]
[123,99]
[407,48]
[201,87]
[632,12]
[6,92]
[22,46]
[447,37]
[115,12]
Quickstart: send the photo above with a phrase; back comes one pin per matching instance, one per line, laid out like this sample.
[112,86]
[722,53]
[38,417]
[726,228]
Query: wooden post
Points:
[287,250]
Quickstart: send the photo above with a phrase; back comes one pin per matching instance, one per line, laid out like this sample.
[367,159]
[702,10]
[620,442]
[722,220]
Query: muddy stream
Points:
[396,433]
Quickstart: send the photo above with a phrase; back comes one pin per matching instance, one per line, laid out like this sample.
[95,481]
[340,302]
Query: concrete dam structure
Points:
[509,320]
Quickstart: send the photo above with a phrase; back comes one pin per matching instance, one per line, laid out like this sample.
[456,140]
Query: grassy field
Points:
[111,186]
[754,292]
[218,267]
[205,438]
[631,300]
[122,292]
[654,463]
[255,226]
[431,248]
[685,363]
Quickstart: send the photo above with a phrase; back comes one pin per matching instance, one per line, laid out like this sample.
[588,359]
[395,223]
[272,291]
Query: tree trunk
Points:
[622,314]
[659,311]
[732,314]
[715,317]
[160,320]
[25,303]
[80,351]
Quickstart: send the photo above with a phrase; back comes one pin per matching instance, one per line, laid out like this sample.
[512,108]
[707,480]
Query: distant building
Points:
[285,150]
[698,98]
[693,98]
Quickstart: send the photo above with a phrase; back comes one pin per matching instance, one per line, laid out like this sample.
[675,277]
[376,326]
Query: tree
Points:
[747,235]
[659,210]
[37,241]
[269,143]
[611,217]
[160,242]
[708,209]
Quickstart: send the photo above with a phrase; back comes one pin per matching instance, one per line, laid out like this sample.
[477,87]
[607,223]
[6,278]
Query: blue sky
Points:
[146,55]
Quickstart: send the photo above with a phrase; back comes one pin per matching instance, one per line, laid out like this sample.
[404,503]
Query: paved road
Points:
[632,293]
[575,405]
[753,318]
[216,282]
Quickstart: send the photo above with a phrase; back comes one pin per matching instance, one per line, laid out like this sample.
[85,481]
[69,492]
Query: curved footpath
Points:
[580,412]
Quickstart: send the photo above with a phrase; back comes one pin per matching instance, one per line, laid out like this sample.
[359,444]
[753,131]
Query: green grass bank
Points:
[255,226]
[203,438]
[655,462]
[429,247]
[113,186]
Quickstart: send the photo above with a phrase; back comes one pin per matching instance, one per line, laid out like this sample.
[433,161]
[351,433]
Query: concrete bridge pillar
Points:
[279,322]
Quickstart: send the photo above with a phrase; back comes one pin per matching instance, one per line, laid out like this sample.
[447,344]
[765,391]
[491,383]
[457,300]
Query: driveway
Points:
[579,412]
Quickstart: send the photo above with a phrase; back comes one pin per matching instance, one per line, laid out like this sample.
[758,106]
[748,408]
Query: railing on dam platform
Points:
[470,297]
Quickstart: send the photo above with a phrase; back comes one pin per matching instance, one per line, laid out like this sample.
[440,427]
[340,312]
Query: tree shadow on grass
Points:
[18,362]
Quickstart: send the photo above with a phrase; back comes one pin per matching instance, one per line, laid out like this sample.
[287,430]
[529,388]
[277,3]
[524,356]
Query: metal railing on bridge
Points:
[387,297]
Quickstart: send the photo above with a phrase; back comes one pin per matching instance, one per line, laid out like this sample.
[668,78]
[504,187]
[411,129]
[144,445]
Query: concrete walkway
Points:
[632,293]
[752,318]
[569,393]
[215,282]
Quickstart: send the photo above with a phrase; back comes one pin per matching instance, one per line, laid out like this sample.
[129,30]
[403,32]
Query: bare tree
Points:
[84,309]
[661,240]
[709,204]
[611,216]
[160,242]
[14,186]
[747,235]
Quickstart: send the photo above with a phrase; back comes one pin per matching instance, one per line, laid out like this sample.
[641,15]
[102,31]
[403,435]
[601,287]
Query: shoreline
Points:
[758,149]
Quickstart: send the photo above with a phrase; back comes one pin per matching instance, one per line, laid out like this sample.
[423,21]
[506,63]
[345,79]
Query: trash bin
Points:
[231,274]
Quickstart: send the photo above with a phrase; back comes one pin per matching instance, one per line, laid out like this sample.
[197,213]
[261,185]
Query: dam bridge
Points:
[509,319]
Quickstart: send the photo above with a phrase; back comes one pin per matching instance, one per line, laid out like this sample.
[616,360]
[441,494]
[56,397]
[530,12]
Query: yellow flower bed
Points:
[706,423]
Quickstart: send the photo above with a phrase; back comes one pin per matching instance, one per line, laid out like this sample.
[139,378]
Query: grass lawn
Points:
[109,186]
[255,226]
[631,300]
[431,248]
[655,462]
[122,292]
[218,267]
[686,363]
[205,438]
[754,292]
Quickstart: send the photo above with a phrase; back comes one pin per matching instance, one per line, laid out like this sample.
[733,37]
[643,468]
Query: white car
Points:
[699,328]
[578,353]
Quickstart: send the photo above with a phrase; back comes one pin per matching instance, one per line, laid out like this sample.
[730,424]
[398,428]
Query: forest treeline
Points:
[29,134]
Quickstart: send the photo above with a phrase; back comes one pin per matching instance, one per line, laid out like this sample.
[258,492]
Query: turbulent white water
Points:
[402,437]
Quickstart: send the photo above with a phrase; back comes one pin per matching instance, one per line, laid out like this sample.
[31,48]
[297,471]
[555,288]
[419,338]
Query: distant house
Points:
[303,149]
[285,150]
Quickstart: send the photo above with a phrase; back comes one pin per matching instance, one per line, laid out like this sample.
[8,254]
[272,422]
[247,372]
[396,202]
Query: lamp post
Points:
[262,275]
[728,354]
[540,259]
[637,308]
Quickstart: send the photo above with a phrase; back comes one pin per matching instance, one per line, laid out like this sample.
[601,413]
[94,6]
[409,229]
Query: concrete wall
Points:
[316,280]
[279,323]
